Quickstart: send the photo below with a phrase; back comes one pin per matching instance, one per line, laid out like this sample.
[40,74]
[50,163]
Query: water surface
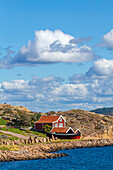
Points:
[100,158]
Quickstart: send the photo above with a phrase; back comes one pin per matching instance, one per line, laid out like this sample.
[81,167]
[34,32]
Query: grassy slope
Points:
[2,121]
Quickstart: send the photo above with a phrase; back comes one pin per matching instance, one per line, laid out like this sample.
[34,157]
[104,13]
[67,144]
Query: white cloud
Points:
[50,47]
[107,40]
[73,90]
[15,85]
[84,91]
[102,67]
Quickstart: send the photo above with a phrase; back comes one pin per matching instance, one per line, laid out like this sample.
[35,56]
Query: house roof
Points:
[47,119]
[60,129]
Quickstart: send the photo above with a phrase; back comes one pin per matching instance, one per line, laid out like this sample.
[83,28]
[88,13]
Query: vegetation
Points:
[8,110]
[47,128]
[9,147]
[24,132]
[2,121]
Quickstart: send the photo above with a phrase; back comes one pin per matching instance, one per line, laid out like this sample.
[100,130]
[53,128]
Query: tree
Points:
[22,119]
[35,117]
[47,128]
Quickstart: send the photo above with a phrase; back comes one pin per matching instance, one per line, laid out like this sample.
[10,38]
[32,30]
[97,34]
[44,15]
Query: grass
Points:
[10,137]
[36,133]
[25,133]
[65,140]
[15,130]
[9,147]
[2,121]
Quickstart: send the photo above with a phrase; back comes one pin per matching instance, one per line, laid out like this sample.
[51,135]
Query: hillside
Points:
[17,115]
[104,111]
[90,123]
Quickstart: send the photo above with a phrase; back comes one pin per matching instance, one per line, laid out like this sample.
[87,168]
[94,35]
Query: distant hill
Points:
[104,111]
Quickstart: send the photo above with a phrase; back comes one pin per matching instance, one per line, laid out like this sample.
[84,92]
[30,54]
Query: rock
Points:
[40,140]
[44,140]
[56,138]
[12,143]
[47,139]
[22,140]
[29,141]
[25,141]
[36,140]
[53,137]
[32,140]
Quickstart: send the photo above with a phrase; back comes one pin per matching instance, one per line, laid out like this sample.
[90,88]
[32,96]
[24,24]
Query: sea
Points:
[98,158]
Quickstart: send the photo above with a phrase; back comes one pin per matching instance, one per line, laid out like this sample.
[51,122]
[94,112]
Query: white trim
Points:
[59,118]
[52,128]
[69,129]
[77,130]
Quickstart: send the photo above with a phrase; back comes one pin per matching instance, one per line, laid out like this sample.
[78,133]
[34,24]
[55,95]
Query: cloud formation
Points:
[85,91]
[107,40]
[50,47]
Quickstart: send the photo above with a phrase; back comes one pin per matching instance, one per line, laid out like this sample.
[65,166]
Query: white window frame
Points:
[55,125]
[60,124]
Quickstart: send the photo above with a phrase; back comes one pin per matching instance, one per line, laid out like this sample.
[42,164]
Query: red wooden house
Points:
[58,127]
[54,121]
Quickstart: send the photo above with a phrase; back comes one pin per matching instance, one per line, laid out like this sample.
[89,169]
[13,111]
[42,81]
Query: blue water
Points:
[79,159]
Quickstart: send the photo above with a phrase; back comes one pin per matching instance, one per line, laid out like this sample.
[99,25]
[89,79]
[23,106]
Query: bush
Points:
[22,119]
[47,128]
[2,121]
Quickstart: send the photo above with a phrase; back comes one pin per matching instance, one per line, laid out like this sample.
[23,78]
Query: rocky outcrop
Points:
[43,151]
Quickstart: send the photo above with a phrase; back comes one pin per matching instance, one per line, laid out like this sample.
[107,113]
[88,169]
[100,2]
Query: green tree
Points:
[22,119]
[35,117]
[47,128]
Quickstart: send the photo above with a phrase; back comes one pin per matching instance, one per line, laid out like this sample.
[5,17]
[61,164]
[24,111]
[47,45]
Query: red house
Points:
[65,133]
[58,127]
[54,121]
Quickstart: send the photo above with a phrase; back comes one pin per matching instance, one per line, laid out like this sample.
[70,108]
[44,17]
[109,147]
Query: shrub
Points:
[47,128]
[2,121]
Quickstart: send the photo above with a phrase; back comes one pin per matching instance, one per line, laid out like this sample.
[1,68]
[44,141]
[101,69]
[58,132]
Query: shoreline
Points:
[44,150]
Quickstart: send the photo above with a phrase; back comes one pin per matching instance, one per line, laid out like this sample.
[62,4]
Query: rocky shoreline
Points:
[44,150]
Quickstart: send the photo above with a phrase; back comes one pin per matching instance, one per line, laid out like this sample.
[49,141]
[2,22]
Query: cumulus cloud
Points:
[50,47]
[44,93]
[85,91]
[98,81]
[107,40]
[102,68]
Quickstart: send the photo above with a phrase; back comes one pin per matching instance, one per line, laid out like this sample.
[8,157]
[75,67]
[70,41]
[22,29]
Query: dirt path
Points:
[15,134]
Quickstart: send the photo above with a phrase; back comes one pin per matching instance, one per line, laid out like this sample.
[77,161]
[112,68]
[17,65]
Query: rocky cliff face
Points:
[91,124]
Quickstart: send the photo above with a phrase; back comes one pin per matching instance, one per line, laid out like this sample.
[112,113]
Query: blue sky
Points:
[56,54]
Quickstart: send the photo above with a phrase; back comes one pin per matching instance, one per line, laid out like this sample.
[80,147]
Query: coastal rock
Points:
[43,150]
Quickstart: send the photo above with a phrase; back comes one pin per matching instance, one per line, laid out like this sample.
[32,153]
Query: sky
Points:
[56,54]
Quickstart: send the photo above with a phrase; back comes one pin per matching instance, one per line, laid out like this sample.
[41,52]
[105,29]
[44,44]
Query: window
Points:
[55,124]
[60,124]
[60,119]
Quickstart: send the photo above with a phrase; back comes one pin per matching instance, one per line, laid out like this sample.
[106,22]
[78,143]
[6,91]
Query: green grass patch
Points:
[65,140]
[10,137]
[36,133]
[9,147]
[14,130]
[2,121]
[25,132]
